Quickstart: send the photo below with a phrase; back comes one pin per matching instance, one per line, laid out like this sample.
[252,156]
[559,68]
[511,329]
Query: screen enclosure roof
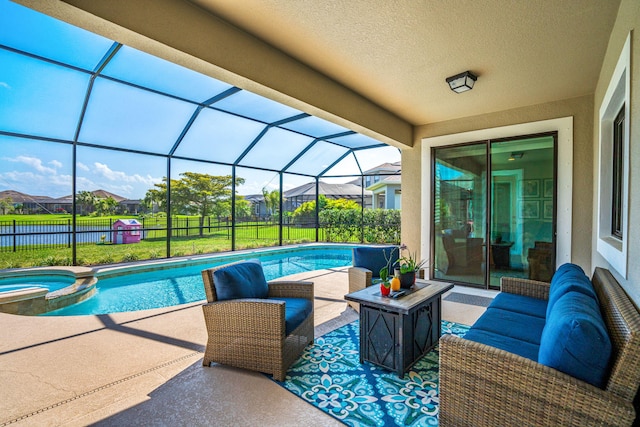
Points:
[64,84]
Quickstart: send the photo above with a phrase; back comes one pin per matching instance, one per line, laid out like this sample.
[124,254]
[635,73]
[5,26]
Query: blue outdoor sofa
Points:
[545,354]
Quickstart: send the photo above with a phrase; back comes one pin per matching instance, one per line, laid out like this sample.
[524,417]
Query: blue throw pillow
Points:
[242,280]
[569,278]
[575,339]
[373,258]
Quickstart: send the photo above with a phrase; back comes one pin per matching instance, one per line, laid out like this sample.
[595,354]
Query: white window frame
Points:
[611,248]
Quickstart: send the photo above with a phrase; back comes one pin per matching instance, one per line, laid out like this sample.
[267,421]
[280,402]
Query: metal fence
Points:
[30,235]
[25,235]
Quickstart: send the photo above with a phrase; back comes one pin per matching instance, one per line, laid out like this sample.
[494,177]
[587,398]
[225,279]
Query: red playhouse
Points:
[126,231]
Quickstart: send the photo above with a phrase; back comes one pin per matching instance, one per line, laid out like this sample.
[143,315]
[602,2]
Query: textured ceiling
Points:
[398,53]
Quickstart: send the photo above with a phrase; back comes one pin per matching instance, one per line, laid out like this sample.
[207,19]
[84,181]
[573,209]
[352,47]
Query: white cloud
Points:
[105,171]
[15,176]
[55,164]
[5,85]
[85,184]
[33,162]
[82,166]
[37,184]
[121,190]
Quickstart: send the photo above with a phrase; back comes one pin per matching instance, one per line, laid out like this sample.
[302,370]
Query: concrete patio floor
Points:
[145,367]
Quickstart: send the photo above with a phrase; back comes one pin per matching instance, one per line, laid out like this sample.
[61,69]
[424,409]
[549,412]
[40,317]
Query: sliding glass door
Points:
[460,213]
[494,210]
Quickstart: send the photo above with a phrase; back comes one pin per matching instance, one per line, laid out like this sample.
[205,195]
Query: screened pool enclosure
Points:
[83,115]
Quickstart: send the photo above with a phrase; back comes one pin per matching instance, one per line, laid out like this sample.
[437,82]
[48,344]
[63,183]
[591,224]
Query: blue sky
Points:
[42,99]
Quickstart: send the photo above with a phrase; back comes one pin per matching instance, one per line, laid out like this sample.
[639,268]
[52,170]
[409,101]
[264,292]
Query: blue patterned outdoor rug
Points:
[329,376]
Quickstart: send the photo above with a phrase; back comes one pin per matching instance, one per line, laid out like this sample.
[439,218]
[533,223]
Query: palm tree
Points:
[86,200]
[271,201]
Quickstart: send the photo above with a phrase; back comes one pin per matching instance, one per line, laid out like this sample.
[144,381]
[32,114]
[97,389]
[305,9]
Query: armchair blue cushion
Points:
[296,311]
[373,258]
[241,280]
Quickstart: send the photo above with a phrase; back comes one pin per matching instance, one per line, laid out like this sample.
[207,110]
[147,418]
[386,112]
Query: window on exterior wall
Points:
[613,177]
[617,178]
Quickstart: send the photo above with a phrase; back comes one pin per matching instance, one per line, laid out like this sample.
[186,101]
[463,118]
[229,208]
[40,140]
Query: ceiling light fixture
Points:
[462,82]
[514,156]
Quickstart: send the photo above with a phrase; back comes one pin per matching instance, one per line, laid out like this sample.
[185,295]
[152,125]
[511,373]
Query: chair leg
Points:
[207,359]
[279,375]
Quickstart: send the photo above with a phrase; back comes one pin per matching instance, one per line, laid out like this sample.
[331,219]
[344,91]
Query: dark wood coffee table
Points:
[395,333]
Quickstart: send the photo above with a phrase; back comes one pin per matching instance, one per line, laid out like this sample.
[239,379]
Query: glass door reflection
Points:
[460,213]
[504,227]
[522,231]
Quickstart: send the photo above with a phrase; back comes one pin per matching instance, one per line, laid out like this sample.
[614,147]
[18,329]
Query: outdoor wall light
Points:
[462,82]
[515,156]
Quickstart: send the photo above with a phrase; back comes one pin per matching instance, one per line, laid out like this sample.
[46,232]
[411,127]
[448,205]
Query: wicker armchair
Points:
[250,333]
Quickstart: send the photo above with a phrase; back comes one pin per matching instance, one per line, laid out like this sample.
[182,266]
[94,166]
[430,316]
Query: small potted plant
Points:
[386,280]
[385,284]
[408,266]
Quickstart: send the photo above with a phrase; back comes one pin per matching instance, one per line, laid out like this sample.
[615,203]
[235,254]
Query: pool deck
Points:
[145,367]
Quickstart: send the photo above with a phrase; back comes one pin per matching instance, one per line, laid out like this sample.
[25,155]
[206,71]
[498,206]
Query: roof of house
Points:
[385,167]
[17,197]
[103,194]
[328,189]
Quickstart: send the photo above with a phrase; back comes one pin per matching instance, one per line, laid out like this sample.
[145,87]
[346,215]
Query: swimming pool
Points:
[25,282]
[135,290]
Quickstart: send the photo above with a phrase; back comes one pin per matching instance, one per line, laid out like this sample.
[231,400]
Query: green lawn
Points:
[248,235]
[187,239]
[96,254]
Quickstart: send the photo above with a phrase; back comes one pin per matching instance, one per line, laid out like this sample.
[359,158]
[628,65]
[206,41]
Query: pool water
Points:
[182,285]
[51,283]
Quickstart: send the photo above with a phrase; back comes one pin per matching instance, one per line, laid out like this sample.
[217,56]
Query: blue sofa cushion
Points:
[521,304]
[575,339]
[512,345]
[569,278]
[521,327]
[242,280]
[295,311]
[373,258]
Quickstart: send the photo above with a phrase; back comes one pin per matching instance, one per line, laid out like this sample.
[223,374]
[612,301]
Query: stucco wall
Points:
[628,19]
[581,109]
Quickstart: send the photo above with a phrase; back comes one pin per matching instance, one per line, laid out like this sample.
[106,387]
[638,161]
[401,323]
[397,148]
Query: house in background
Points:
[382,190]
[293,198]
[28,204]
[384,182]
[307,192]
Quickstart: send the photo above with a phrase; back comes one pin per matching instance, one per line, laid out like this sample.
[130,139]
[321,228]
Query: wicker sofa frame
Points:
[484,386]
[250,333]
